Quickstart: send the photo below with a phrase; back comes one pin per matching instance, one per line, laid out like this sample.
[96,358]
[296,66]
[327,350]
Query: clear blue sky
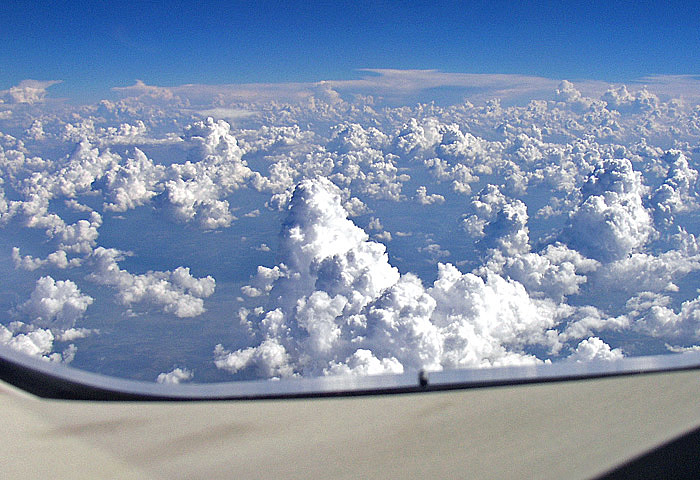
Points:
[93,46]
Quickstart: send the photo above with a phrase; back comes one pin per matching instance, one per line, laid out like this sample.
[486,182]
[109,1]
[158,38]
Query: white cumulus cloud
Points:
[176,292]
[55,304]
[175,376]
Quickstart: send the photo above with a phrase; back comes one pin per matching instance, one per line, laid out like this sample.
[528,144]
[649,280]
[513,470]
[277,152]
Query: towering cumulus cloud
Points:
[329,273]
[336,305]
[611,222]
[196,188]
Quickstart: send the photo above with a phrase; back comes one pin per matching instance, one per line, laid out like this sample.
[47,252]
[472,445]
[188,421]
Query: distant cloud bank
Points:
[406,86]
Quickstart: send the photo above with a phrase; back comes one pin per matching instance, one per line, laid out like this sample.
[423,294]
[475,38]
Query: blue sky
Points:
[93,46]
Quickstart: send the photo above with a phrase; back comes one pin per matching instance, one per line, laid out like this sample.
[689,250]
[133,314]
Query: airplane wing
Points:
[628,419]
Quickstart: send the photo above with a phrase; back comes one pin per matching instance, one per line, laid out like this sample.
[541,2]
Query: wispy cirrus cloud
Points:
[392,85]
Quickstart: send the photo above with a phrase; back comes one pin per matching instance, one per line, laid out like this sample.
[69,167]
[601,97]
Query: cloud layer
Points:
[351,227]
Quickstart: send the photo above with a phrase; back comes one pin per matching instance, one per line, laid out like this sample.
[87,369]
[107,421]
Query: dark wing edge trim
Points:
[59,381]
